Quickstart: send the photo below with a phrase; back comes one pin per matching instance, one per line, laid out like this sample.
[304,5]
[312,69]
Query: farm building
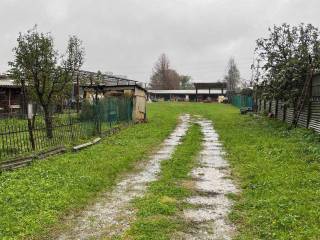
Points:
[109,85]
[202,92]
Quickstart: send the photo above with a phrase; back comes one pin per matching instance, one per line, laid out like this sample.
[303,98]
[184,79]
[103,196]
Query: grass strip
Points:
[158,210]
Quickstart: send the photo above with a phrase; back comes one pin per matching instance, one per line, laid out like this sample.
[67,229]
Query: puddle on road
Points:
[212,184]
[112,214]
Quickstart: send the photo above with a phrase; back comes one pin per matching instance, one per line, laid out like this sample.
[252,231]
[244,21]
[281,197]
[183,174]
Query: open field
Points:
[277,170]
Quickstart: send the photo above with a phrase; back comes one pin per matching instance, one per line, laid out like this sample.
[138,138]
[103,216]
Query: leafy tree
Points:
[246,91]
[185,82]
[163,77]
[45,75]
[285,59]
[233,76]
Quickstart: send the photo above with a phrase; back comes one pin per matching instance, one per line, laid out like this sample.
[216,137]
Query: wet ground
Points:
[112,213]
[208,217]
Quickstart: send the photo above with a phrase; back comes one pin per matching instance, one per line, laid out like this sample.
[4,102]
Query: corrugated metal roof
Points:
[207,85]
[7,83]
[188,92]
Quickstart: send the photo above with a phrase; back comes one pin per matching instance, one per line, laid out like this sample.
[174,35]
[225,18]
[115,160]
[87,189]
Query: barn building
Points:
[202,92]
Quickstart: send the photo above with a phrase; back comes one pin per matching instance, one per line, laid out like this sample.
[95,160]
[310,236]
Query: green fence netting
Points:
[107,111]
[17,137]
[242,101]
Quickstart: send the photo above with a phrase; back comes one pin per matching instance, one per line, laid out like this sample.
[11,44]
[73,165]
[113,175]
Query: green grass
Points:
[158,210]
[33,199]
[276,168]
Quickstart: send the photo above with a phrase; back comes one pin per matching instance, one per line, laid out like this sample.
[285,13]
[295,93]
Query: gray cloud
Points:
[127,36]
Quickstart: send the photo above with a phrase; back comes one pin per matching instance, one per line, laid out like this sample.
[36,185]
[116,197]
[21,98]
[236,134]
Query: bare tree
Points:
[163,77]
[233,76]
[76,49]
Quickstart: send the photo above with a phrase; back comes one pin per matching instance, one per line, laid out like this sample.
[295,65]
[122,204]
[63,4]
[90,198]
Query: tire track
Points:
[209,217]
[112,214]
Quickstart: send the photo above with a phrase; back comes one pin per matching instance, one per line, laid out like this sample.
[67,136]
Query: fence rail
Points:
[309,117]
[19,137]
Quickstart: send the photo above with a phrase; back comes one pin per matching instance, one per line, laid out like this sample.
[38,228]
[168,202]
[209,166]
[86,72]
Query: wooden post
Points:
[30,130]
[270,103]
[284,112]
[78,94]
[309,105]
[196,94]
[276,110]
[9,101]
[309,114]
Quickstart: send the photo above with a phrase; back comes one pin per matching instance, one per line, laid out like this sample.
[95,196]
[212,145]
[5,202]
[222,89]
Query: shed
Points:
[135,91]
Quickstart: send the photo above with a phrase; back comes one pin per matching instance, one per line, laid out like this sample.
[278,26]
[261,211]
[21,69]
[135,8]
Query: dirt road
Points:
[112,213]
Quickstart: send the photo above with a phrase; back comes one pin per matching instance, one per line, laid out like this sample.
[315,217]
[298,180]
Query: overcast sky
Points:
[127,36]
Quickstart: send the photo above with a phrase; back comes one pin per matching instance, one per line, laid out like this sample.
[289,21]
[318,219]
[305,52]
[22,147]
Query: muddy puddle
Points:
[208,217]
[112,213]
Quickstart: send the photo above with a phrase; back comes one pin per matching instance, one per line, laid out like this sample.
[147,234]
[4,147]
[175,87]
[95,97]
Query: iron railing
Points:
[20,136]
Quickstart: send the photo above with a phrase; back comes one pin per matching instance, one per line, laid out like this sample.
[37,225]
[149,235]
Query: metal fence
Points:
[309,117]
[241,101]
[19,136]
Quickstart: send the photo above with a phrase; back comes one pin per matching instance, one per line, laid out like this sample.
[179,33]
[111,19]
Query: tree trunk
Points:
[48,122]
[78,94]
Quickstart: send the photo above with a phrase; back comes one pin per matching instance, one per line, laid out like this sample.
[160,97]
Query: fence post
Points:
[276,110]
[270,103]
[284,112]
[260,105]
[30,130]
[71,127]
[309,114]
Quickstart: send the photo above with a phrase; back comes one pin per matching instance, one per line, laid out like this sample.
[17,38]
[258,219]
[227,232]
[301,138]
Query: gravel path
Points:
[112,214]
[212,183]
